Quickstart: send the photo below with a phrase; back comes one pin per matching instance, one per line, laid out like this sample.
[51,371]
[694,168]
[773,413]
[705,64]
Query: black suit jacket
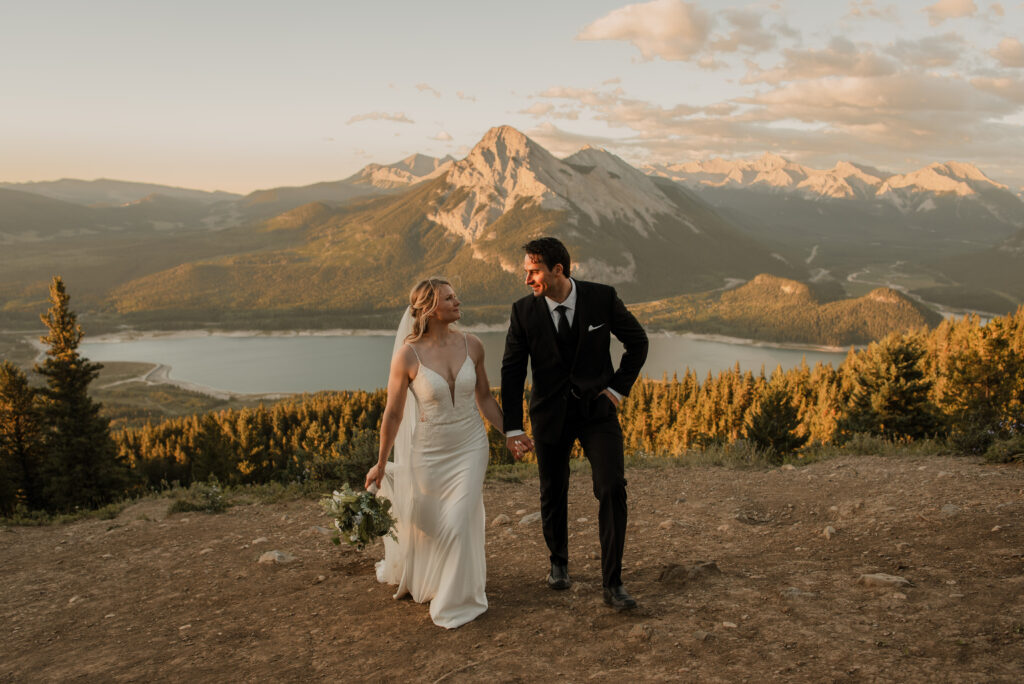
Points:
[531,336]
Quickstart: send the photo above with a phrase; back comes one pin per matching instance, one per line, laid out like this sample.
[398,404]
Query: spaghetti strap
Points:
[414,353]
[466,338]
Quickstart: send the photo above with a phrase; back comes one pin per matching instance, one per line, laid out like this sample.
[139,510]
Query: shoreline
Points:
[137,335]
[160,373]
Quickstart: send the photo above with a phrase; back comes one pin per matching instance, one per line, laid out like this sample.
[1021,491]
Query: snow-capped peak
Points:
[507,169]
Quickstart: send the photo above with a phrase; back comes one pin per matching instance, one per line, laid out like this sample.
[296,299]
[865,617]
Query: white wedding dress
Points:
[436,490]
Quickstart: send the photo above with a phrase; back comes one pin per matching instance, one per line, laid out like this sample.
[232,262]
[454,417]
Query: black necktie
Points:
[563,323]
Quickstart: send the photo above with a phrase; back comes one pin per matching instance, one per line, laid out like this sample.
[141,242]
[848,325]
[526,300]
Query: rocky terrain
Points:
[855,569]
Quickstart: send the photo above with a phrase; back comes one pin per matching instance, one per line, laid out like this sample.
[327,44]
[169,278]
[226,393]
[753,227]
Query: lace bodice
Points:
[439,402]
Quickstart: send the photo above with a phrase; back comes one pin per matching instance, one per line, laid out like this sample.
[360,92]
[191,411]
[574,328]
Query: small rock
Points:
[205,551]
[680,499]
[666,524]
[701,635]
[108,616]
[950,509]
[641,633]
[530,518]
[997,528]
[581,520]
[793,592]
[184,627]
[73,600]
[829,532]
[899,596]
[260,540]
[593,555]
[723,528]
[788,466]
[110,555]
[902,546]
[943,473]
[521,512]
[881,579]
[278,557]
[319,579]
[501,519]
[730,625]
[956,595]
[320,529]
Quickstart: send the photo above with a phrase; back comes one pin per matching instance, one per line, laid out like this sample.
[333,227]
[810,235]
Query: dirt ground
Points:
[151,597]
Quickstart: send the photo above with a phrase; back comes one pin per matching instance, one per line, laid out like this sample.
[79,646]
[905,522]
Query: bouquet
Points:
[361,517]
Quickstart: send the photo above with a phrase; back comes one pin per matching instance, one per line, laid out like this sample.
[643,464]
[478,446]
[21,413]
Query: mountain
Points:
[649,237]
[26,216]
[370,181]
[401,174]
[782,310]
[106,192]
[918,230]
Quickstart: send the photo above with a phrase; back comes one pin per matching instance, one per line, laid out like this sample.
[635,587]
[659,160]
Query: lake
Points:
[258,364]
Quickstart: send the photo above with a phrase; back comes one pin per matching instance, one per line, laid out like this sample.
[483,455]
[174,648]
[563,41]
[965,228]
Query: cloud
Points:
[443,136]
[1009,52]
[883,120]
[424,88]
[929,52]
[463,96]
[950,9]
[866,9]
[673,30]
[380,116]
[747,33]
[840,58]
[538,109]
[1011,89]
[997,10]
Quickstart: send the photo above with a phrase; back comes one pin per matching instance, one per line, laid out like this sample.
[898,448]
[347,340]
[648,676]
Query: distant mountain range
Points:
[351,248]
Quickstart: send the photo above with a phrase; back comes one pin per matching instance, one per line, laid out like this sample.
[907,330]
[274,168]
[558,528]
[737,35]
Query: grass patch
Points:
[24,517]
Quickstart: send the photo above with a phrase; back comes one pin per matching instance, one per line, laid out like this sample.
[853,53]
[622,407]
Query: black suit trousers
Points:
[596,425]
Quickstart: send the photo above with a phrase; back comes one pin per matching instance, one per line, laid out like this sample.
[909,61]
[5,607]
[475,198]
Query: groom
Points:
[564,330]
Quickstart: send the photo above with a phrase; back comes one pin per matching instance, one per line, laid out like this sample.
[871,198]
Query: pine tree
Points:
[21,448]
[82,466]
[772,422]
[890,392]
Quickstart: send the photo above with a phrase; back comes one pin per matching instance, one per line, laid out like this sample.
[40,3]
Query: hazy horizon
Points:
[244,96]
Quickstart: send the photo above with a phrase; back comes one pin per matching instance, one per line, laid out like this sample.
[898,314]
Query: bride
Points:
[437,389]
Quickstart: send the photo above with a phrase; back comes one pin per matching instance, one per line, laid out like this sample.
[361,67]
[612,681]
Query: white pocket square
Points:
[592,328]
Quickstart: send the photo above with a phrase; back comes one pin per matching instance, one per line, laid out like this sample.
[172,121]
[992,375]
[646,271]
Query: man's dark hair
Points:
[551,251]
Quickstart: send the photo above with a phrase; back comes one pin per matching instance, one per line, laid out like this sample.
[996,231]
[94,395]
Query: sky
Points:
[242,95]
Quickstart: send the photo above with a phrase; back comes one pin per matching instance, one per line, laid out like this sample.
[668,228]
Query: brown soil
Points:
[148,597]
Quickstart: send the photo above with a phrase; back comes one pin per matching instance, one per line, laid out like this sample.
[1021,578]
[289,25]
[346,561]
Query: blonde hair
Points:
[423,301]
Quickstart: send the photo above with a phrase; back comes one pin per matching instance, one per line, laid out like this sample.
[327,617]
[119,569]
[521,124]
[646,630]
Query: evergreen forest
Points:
[960,383]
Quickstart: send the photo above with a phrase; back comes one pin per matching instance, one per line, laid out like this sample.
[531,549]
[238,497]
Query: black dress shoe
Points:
[618,598]
[559,577]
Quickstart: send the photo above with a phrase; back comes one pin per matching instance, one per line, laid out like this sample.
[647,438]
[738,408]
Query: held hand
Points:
[375,476]
[519,445]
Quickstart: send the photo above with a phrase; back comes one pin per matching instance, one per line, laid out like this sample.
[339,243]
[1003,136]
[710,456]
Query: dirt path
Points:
[148,597]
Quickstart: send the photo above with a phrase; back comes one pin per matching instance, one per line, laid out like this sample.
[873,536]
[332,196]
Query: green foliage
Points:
[203,497]
[772,423]
[21,442]
[360,517]
[782,310]
[81,467]
[1006,450]
[890,395]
